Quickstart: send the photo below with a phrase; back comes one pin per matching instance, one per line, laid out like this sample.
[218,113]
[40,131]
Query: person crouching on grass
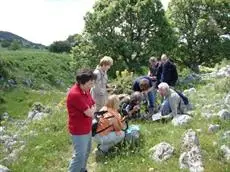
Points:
[113,124]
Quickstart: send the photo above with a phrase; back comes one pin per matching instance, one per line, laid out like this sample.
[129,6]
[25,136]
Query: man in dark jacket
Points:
[168,71]
[144,85]
[155,70]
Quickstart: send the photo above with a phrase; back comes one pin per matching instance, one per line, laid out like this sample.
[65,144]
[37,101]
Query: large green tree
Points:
[129,30]
[200,25]
[60,47]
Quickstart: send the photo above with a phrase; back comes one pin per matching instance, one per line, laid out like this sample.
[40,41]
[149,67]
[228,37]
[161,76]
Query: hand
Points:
[93,109]
[136,108]
[153,77]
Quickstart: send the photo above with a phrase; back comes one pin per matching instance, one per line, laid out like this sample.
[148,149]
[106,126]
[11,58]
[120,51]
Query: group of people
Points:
[89,95]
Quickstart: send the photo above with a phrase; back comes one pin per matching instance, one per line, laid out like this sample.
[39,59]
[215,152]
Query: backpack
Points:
[132,135]
[183,97]
[96,120]
[97,116]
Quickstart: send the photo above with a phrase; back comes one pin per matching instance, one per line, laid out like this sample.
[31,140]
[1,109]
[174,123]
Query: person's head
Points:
[144,84]
[105,63]
[163,88]
[164,58]
[113,102]
[152,60]
[85,78]
[136,97]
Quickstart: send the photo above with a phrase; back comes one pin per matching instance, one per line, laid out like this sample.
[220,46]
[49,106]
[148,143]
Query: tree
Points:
[15,45]
[5,43]
[199,25]
[130,31]
[60,47]
[85,52]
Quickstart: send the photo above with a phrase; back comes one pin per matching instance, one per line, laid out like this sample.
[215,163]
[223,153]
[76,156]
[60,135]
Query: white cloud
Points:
[44,21]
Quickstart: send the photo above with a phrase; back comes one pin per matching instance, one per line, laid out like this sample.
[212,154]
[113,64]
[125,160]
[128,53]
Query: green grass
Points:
[44,69]
[51,149]
[18,102]
[46,150]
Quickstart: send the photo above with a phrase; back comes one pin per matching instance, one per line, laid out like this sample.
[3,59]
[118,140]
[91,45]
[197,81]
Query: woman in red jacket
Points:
[81,108]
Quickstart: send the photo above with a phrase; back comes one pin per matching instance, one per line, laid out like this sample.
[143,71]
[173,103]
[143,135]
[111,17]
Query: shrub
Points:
[15,45]
[5,43]
[123,82]
[222,85]
[60,47]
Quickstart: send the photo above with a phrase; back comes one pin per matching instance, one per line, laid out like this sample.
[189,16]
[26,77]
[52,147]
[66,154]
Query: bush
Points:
[222,85]
[15,45]
[60,47]
[5,43]
[123,82]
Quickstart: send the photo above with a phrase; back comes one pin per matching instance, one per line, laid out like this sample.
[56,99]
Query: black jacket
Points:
[169,73]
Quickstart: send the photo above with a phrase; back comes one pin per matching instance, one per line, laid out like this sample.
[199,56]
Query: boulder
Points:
[181,120]
[226,152]
[224,114]
[213,128]
[161,152]
[3,168]
[192,160]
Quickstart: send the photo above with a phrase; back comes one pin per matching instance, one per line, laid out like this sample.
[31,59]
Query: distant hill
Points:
[8,36]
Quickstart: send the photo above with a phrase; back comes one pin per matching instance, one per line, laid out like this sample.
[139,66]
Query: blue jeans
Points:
[109,140]
[82,147]
[151,98]
[165,108]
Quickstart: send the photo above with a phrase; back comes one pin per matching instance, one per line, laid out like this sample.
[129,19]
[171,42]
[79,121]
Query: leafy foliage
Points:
[5,43]
[40,68]
[199,25]
[123,82]
[60,47]
[85,53]
[222,85]
[128,31]
[5,67]
[15,45]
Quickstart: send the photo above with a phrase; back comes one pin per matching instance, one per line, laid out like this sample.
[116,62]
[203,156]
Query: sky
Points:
[45,21]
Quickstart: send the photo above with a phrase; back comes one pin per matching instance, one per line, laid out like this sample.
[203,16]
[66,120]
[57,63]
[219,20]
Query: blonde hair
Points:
[113,102]
[106,60]
[152,59]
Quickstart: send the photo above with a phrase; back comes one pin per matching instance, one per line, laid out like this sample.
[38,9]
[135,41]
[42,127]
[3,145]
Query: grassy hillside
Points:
[8,36]
[36,69]
[47,143]
[50,149]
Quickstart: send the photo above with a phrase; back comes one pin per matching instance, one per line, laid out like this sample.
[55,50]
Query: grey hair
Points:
[164,57]
[163,86]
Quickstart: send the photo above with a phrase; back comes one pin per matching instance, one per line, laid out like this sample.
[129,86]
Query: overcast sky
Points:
[45,21]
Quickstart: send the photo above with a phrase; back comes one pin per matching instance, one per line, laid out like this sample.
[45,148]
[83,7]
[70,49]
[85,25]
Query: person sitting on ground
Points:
[172,104]
[167,71]
[113,124]
[130,106]
[144,85]
[154,65]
